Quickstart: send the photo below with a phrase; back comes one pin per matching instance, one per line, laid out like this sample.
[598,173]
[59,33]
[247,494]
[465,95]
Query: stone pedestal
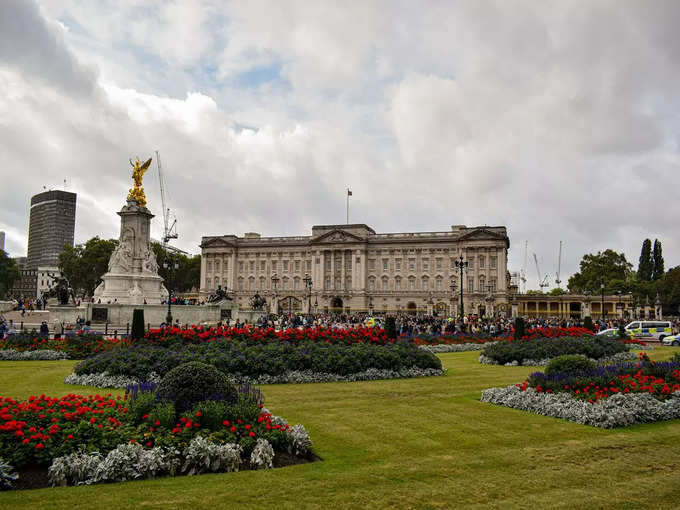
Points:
[133,273]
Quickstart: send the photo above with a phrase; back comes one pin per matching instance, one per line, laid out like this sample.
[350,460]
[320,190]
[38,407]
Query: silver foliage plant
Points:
[104,380]
[262,456]
[301,443]
[442,348]
[619,410]
[203,456]
[620,357]
[39,355]
[73,469]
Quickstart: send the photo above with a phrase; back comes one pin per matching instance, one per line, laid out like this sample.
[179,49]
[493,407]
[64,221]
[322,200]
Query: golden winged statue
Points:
[138,169]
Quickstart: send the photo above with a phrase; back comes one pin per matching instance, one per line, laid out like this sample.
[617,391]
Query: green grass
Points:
[417,443]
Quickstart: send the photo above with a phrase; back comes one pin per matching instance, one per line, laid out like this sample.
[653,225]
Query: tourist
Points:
[44,330]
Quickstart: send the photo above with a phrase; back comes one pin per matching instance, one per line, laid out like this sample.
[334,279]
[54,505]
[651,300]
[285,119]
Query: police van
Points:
[650,329]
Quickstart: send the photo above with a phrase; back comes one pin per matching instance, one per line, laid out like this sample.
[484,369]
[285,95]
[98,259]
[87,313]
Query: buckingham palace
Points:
[351,268]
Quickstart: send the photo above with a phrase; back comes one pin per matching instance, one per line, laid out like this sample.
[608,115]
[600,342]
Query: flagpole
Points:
[347,206]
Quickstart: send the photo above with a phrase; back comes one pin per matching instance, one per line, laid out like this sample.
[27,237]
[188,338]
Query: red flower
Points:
[252,434]
[39,446]
[199,413]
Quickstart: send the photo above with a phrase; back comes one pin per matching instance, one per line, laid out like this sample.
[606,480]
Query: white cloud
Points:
[555,119]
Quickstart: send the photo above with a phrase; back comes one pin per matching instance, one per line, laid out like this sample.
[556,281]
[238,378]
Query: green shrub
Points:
[194,382]
[137,331]
[570,363]
[588,323]
[390,327]
[164,413]
[519,328]
[140,406]
[623,334]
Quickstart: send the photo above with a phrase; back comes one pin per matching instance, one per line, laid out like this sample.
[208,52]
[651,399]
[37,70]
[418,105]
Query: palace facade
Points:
[352,268]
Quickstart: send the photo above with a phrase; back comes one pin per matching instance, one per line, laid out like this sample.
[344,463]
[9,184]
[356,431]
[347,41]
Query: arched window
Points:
[411,283]
[397,283]
[385,284]
[371,284]
[296,283]
[240,283]
[482,284]
[426,283]
[348,283]
[439,283]
[262,284]
[217,281]
[251,283]
[285,283]
[207,283]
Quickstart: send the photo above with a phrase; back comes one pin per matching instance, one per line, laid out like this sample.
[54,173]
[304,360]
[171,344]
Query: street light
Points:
[275,281]
[316,304]
[308,285]
[453,294]
[602,306]
[170,264]
[461,264]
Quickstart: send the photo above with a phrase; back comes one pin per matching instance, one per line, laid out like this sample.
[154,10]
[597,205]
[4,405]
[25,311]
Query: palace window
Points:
[385,284]
[438,263]
[371,284]
[482,259]
[327,283]
[207,283]
[397,264]
[285,266]
[225,266]
[328,264]
[426,264]
[240,266]
[217,266]
[309,265]
[262,280]
[273,265]
[240,284]
[453,263]
[492,283]
[296,283]
[251,283]
[439,284]
[285,283]
[397,283]
[385,264]
[471,284]
[371,264]
[492,262]
[426,283]
[297,266]
[217,281]
[263,264]
[348,283]
[411,264]
[208,266]
[337,282]
[482,284]
[252,266]
[412,283]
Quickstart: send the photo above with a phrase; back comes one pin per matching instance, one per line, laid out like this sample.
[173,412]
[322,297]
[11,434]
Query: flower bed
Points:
[537,349]
[257,360]
[607,396]
[140,435]
[79,346]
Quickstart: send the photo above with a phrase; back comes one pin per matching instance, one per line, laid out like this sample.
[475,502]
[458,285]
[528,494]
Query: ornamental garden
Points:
[182,402]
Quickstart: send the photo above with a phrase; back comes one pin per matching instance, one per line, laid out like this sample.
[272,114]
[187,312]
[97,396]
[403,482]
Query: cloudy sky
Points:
[559,120]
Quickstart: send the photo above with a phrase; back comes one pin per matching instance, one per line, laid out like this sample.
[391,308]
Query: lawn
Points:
[410,443]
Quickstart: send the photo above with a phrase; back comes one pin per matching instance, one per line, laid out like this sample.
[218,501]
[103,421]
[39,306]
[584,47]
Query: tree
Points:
[185,277]
[557,291]
[669,291]
[608,267]
[84,265]
[645,264]
[657,271]
[9,273]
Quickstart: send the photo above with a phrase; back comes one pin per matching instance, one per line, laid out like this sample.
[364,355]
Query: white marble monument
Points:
[133,272]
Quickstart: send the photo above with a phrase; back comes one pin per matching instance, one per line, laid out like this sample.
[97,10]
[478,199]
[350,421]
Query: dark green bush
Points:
[137,330]
[568,363]
[519,328]
[164,413]
[588,323]
[390,327]
[254,360]
[594,347]
[195,382]
[141,405]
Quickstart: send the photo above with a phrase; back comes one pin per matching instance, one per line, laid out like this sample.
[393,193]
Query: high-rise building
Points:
[2,240]
[51,225]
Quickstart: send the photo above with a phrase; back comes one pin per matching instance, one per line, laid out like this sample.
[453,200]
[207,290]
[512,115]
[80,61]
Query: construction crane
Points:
[523,272]
[169,229]
[542,282]
[559,266]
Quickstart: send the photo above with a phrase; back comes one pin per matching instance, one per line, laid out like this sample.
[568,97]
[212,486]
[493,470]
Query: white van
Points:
[650,329]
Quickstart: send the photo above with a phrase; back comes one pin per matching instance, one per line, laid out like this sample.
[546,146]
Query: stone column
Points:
[332,253]
[342,271]
[202,285]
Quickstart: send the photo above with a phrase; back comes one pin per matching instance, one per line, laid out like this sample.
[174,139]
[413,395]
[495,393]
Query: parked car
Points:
[673,340]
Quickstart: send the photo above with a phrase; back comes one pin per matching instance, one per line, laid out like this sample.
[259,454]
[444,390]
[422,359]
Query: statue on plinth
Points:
[133,271]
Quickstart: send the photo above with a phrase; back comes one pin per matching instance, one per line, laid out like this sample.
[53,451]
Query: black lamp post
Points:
[602,312]
[316,304]
[170,264]
[462,264]
[453,294]
[308,285]
[275,281]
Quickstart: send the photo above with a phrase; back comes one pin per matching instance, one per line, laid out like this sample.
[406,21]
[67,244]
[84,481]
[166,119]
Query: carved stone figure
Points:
[219,295]
[150,265]
[121,258]
[258,302]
